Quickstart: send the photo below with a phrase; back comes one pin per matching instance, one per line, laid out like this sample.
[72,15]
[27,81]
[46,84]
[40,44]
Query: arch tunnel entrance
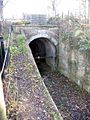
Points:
[44,53]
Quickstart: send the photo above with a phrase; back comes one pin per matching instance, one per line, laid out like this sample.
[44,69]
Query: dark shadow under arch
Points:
[43,52]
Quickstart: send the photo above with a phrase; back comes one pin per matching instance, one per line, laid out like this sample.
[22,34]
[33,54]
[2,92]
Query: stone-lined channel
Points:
[72,102]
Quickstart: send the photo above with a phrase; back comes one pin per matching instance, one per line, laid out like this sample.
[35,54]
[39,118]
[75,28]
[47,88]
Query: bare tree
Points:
[53,7]
[86,4]
[83,10]
[89,10]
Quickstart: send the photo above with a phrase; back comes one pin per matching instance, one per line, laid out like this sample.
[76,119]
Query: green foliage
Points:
[26,22]
[85,46]
[79,33]
[21,44]
[5,31]
[54,20]
[76,33]
[23,22]
[14,50]
[5,36]
[55,115]
[19,47]
[67,35]
[84,40]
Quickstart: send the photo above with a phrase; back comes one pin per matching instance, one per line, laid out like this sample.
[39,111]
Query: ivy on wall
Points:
[74,31]
[84,40]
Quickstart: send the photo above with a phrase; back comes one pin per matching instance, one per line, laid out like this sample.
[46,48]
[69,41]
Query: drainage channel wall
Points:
[74,64]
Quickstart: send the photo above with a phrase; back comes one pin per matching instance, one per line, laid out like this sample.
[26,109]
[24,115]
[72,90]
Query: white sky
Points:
[15,8]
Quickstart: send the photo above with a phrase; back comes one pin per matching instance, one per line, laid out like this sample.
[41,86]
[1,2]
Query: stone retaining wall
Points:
[74,64]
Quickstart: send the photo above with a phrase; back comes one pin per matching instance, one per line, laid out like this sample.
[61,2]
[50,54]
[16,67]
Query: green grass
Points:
[55,115]
[19,45]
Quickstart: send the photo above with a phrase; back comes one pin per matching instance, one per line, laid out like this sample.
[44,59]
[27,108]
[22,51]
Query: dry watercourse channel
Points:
[72,101]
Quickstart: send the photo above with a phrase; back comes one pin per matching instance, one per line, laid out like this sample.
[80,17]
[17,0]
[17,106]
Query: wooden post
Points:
[2,102]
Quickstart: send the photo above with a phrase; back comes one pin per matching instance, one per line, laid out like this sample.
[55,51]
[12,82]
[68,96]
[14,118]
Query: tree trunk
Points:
[89,10]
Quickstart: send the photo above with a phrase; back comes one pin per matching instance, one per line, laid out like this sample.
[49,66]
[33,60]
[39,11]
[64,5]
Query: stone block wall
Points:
[74,64]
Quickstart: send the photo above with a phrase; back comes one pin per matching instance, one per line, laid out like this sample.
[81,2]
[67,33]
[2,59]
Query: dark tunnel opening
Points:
[38,50]
[44,54]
